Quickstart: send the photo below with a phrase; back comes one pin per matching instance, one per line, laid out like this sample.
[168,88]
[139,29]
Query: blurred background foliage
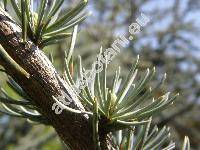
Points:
[169,42]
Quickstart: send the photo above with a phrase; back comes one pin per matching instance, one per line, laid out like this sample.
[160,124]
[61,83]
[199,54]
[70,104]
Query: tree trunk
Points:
[43,83]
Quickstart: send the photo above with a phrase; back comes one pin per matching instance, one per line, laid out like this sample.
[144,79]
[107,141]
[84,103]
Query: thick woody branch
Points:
[42,83]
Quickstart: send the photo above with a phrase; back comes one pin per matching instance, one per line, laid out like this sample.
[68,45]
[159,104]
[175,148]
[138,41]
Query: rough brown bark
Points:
[74,129]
